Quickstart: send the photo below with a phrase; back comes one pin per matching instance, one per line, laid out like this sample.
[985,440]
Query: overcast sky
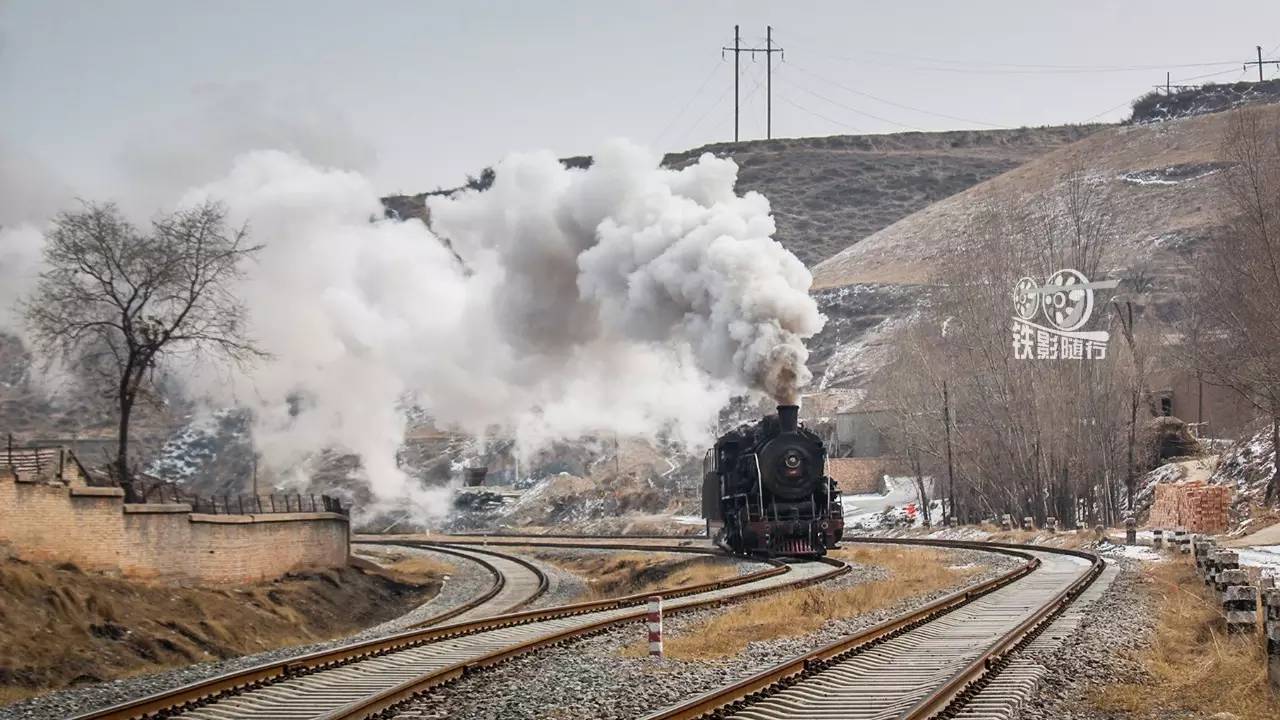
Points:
[417,94]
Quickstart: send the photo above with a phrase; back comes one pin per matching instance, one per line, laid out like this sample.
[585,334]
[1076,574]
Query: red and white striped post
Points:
[655,626]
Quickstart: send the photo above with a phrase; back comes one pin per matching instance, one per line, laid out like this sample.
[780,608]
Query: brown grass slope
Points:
[830,192]
[60,626]
[1160,179]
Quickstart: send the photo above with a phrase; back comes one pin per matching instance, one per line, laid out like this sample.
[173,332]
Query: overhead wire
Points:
[819,115]
[893,103]
[698,123]
[688,103]
[850,108]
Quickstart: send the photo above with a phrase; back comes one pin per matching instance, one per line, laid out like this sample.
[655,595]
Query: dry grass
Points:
[615,574]
[1194,665]
[60,626]
[411,568]
[912,572]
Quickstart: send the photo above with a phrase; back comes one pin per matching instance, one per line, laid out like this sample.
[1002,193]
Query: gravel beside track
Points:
[588,678]
[1099,652]
[567,587]
[467,581]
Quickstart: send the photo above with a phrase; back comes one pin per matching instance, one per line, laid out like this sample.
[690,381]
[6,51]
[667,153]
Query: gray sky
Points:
[417,94]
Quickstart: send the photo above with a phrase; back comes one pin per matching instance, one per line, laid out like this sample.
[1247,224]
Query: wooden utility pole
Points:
[1169,87]
[1260,63]
[768,51]
[951,479]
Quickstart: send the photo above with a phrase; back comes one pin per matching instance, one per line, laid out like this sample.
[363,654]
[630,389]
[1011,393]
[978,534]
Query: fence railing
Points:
[261,504]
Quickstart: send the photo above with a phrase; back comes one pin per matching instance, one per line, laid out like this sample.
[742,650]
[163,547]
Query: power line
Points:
[696,94]
[891,102]
[1213,74]
[997,68]
[698,123]
[819,115]
[1042,66]
[839,104]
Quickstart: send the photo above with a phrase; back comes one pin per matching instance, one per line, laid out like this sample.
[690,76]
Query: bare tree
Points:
[115,302]
[1239,278]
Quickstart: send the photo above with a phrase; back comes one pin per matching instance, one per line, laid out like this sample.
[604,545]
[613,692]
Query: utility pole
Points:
[768,82]
[951,479]
[1260,63]
[768,51]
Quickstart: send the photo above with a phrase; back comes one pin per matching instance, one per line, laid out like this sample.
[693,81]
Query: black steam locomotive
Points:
[765,490]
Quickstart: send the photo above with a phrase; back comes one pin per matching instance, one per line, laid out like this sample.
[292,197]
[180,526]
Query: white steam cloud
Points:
[622,298]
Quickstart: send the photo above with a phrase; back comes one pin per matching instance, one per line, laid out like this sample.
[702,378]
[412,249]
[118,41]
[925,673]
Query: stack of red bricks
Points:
[1192,506]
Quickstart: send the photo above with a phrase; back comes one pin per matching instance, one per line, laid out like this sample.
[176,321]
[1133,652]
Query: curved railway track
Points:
[916,666]
[923,664]
[362,679]
[516,584]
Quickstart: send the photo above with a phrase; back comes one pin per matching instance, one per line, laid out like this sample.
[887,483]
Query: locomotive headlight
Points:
[792,462]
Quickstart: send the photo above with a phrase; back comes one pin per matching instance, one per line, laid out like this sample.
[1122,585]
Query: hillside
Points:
[829,192]
[1156,177]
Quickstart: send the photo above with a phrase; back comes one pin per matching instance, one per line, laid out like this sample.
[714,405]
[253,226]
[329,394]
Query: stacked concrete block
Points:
[1220,562]
[1239,601]
[1157,539]
[1028,523]
[1131,530]
[1006,522]
[1201,548]
[1051,524]
[1271,607]
[1181,542]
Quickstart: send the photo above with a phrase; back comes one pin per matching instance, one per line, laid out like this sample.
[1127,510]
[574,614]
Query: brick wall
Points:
[1192,506]
[860,475]
[93,528]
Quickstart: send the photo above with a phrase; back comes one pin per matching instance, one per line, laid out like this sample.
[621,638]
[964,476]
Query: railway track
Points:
[361,680]
[920,665]
[924,664]
[516,584]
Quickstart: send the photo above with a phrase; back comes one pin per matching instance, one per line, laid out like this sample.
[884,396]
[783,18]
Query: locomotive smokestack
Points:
[788,417]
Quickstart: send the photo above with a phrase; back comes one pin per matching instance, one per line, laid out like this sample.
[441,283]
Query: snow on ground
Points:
[688,520]
[869,511]
[1133,552]
[1266,557]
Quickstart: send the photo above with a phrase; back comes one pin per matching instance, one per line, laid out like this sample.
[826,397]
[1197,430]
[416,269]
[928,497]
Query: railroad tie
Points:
[1239,601]
[1222,560]
[1271,603]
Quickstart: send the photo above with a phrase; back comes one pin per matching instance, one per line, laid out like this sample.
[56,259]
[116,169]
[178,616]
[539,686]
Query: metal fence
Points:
[261,504]
[36,460]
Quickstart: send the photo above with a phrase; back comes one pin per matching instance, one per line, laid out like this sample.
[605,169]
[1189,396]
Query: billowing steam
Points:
[622,298]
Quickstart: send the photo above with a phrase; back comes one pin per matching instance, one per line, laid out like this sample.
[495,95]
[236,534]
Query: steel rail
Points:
[499,582]
[498,586]
[406,691]
[740,694]
[231,683]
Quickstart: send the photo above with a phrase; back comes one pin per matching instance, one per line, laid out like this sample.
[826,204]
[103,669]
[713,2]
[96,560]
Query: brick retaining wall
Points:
[93,528]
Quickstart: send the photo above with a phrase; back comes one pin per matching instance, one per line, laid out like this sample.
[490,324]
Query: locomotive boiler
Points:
[765,490]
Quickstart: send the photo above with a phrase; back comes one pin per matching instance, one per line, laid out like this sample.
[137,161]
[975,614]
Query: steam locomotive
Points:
[765,490]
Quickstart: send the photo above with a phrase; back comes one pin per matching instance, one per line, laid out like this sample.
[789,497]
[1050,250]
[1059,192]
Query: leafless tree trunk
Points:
[115,302]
